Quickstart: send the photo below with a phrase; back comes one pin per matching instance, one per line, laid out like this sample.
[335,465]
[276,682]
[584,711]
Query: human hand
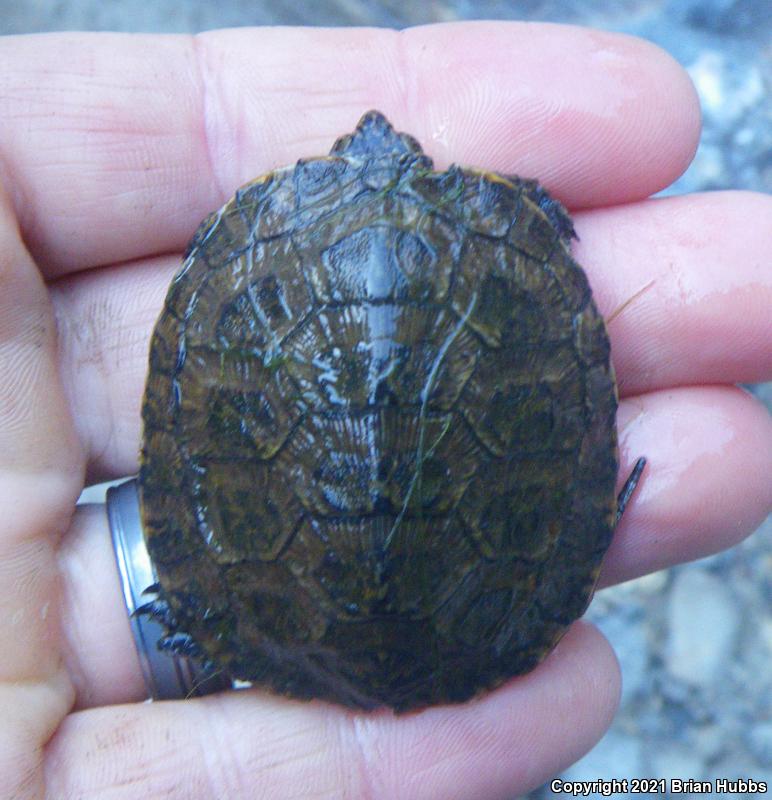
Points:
[114,148]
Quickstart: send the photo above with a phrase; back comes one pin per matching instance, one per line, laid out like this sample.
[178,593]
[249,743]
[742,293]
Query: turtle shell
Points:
[379,430]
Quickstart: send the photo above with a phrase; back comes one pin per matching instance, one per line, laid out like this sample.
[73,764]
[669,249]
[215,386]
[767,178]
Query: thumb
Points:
[41,473]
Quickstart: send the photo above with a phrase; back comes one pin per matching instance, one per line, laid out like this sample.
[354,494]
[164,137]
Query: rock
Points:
[615,756]
[677,761]
[711,742]
[723,90]
[627,635]
[703,623]
[760,742]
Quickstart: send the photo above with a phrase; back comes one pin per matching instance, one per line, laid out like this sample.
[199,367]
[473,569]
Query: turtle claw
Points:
[158,610]
[627,490]
[180,644]
[177,642]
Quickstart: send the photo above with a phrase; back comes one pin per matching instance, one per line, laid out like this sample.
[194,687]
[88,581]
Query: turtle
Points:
[379,450]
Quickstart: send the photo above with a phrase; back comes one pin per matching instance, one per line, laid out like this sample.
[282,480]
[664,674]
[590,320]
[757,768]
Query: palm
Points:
[110,164]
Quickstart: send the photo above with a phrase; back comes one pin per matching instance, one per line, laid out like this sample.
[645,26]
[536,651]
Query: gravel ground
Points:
[694,642]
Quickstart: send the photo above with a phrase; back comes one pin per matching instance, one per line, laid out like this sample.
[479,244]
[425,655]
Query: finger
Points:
[248,744]
[705,488]
[41,469]
[702,266]
[123,153]
[704,319]
[98,645]
[706,483]
[105,318]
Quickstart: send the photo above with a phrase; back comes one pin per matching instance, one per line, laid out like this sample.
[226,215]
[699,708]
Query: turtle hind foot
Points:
[158,610]
[181,644]
[175,641]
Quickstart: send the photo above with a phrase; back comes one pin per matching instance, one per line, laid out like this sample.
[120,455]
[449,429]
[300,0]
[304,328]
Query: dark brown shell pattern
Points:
[379,430]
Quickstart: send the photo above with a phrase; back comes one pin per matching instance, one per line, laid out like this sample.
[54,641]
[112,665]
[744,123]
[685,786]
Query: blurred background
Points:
[694,642]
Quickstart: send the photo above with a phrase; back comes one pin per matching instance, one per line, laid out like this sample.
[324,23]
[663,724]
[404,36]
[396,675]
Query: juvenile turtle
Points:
[379,445]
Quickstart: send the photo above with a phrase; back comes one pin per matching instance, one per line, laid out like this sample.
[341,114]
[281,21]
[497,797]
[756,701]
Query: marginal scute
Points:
[379,446]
